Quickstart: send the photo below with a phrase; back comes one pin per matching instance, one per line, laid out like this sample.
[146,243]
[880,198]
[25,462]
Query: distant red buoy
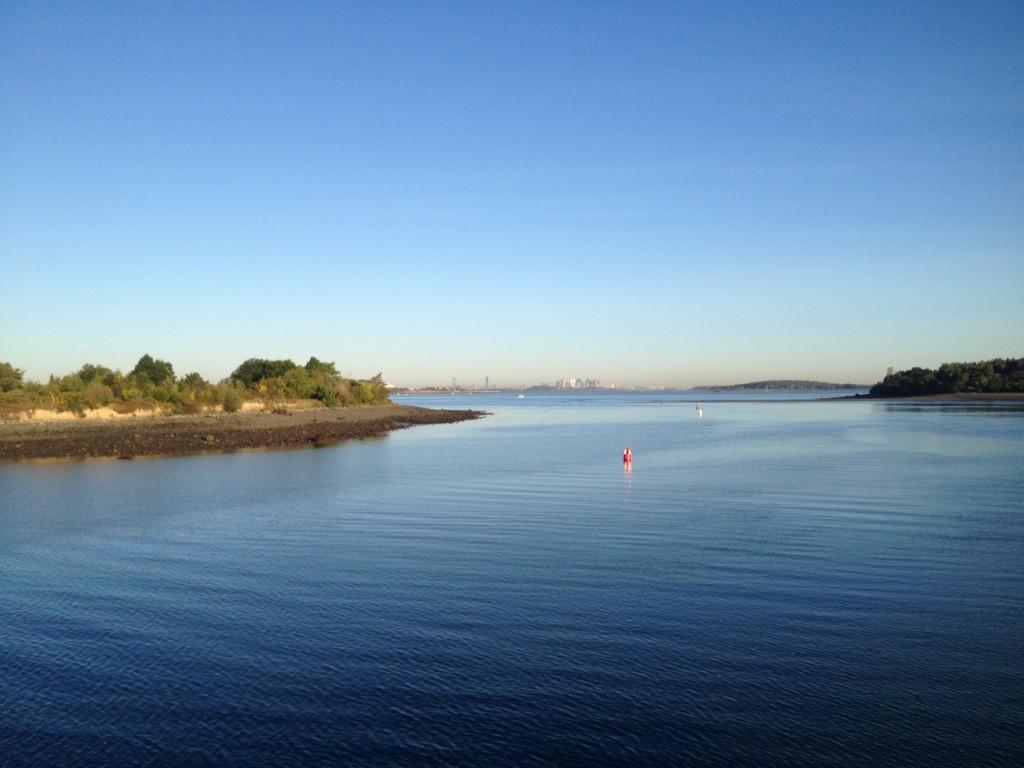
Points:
[627,455]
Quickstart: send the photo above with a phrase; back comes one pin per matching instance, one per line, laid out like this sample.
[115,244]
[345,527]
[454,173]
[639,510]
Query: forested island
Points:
[998,376]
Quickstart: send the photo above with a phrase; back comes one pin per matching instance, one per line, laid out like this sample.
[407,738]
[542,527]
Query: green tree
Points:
[231,398]
[156,371]
[97,394]
[372,392]
[10,377]
[257,369]
[90,373]
[194,381]
[330,370]
[299,384]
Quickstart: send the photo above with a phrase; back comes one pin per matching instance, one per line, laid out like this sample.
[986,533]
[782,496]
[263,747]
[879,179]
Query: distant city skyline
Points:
[661,194]
[562,383]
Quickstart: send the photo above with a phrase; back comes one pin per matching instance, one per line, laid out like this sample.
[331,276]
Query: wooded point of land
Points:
[152,385]
[986,377]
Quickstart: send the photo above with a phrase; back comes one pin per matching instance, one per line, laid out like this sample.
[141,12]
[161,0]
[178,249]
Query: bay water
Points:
[771,582]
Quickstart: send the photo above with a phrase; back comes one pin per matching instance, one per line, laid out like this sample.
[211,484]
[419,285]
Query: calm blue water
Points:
[776,583]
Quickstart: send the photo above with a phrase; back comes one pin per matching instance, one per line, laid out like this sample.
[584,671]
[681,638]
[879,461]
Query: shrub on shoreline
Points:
[152,384]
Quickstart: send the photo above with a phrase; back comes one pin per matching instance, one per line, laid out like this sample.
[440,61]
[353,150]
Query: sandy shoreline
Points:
[161,435]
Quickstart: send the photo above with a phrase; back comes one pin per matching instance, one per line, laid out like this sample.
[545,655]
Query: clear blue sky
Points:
[644,193]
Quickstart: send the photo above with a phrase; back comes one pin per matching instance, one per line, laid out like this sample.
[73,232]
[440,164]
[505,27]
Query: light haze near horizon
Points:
[661,194]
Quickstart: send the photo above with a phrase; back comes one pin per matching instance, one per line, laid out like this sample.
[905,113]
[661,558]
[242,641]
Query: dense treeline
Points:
[995,376]
[152,384]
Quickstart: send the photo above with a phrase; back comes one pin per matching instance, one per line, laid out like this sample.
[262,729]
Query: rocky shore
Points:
[128,438]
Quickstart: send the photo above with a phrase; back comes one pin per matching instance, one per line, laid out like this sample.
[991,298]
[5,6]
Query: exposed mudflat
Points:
[128,438]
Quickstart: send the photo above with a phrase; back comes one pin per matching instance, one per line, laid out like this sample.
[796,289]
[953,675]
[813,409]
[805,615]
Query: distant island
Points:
[989,377]
[782,384]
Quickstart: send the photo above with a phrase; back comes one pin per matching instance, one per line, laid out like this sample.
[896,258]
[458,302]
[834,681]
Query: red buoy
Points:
[627,455]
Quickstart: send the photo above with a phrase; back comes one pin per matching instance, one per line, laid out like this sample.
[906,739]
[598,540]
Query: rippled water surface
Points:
[775,583]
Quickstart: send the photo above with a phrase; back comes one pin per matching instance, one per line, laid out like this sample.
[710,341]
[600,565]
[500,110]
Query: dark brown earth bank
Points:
[129,438]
